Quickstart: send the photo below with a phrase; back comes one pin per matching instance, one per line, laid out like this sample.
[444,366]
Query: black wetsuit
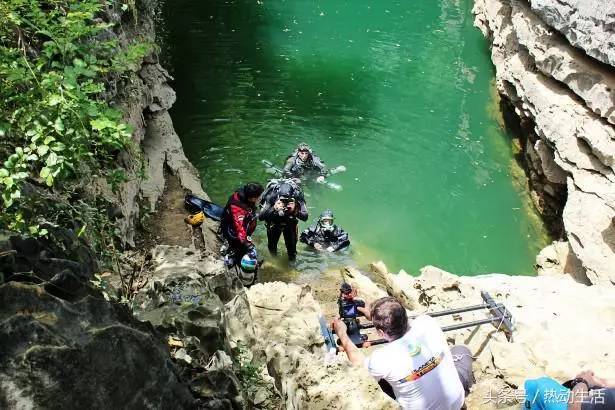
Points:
[296,168]
[336,238]
[282,222]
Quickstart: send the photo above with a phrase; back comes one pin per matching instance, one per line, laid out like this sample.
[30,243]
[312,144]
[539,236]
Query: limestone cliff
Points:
[554,64]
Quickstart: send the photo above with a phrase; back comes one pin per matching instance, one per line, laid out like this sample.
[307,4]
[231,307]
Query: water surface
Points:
[399,92]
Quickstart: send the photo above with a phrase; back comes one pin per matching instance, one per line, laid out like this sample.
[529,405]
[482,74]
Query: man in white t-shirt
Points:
[417,362]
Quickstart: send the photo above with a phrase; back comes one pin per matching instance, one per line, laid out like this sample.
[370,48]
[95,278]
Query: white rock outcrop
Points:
[568,97]
[586,24]
[287,329]
[561,326]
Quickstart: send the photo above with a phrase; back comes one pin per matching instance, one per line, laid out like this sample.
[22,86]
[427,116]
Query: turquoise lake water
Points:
[399,92]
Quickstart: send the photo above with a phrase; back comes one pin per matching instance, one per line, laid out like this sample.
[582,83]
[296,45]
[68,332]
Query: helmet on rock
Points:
[248,263]
[247,273]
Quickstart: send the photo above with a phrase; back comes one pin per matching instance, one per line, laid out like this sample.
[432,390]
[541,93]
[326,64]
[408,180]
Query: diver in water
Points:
[325,235]
[282,204]
[302,162]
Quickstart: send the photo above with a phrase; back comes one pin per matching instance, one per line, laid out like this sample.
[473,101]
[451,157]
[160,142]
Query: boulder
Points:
[64,346]
[586,24]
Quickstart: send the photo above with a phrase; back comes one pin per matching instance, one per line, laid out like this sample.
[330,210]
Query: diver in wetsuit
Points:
[282,205]
[325,235]
[302,162]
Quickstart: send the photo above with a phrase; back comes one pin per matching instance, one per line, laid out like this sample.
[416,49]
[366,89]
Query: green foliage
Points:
[247,372]
[55,124]
[101,283]
[115,178]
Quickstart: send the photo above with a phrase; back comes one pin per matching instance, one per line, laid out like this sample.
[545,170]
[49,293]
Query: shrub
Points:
[55,125]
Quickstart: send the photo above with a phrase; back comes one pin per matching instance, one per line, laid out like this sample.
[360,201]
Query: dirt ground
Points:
[166,226]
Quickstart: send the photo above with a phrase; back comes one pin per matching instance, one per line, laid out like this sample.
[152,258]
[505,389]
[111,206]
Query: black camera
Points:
[348,308]
[349,313]
[285,200]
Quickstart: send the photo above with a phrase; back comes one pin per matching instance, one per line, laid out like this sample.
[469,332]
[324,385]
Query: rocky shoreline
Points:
[555,320]
[554,66]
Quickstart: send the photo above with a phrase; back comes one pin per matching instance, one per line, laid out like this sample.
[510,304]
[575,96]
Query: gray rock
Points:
[586,24]
[178,300]
[64,346]
[575,139]
[553,172]
[181,300]
[594,83]
[163,150]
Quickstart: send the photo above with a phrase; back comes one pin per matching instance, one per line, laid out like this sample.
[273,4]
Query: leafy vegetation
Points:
[56,57]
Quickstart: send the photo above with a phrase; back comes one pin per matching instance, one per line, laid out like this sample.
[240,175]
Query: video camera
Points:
[349,313]
[499,316]
[285,200]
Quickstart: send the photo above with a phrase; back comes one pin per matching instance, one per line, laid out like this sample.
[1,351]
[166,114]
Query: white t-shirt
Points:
[419,367]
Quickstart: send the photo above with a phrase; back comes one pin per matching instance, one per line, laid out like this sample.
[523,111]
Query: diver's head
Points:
[285,191]
[326,220]
[304,151]
[252,191]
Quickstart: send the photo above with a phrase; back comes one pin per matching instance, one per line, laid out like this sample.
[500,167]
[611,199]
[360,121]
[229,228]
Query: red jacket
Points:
[238,219]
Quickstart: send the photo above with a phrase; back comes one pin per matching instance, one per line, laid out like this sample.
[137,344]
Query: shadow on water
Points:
[192,27]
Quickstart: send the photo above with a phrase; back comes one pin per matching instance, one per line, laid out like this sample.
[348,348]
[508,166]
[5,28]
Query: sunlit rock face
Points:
[554,64]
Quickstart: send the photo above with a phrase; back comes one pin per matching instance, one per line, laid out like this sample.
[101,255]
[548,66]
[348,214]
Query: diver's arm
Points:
[322,168]
[308,236]
[342,239]
[287,171]
[266,210]
[301,212]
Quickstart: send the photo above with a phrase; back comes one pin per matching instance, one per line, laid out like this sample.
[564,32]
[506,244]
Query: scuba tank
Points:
[194,204]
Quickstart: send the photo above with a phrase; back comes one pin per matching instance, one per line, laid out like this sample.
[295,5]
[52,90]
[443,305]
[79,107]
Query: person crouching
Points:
[239,221]
[417,362]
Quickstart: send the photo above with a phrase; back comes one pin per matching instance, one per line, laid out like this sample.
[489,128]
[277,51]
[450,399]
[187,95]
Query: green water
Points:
[399,92]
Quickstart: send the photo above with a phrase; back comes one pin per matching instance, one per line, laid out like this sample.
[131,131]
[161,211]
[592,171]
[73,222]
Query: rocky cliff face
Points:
[144,96]
[554,65]
[64,346]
